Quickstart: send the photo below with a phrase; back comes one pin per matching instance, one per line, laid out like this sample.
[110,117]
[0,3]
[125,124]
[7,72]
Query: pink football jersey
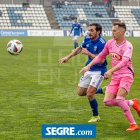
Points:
[117,53]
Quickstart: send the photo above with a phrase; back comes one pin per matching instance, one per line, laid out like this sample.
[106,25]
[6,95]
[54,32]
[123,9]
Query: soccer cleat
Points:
[132,127]
[136,106]
[94,119]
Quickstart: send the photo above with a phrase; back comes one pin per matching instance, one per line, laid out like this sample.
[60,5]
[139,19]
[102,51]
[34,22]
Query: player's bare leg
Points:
[124,106]
[81,91]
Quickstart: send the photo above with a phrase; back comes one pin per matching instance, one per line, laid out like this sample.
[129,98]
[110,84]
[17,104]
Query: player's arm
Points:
[96,60]
[86,52]
[92,56]
[73,53]
[71,30]
[100,49]
[123,63]
[125,59]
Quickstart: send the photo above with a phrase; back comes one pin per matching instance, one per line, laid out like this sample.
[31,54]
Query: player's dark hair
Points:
[98,27]
[120,24]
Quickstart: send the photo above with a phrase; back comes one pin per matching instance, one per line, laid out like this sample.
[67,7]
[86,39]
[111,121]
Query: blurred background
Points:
[59,14]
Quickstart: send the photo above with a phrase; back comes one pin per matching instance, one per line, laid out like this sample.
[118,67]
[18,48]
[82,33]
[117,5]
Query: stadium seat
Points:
[130,15]
[83,12]
[18,17]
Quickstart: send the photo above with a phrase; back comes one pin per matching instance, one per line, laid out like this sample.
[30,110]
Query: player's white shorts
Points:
[93,78]
[75,37]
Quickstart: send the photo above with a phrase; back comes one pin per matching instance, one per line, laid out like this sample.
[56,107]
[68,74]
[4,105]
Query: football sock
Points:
[111,102]
[124,106]
[129,102]
[99,91]
[75,45]
[94,107]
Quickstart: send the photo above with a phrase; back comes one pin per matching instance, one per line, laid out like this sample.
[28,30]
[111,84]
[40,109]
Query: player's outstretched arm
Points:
[87,68]
[73,53]
[92,56]
[63,60]
[121,64]
[96,60]
[86,52]
[71,30]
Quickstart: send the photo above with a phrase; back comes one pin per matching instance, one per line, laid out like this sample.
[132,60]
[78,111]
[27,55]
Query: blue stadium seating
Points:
[84,13]
[130,15]
[19,17]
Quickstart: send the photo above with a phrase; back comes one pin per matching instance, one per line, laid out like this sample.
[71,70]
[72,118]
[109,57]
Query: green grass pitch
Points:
[36,90]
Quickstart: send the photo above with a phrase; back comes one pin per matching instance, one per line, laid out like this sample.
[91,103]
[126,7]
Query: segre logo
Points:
[68,131]
[59,131]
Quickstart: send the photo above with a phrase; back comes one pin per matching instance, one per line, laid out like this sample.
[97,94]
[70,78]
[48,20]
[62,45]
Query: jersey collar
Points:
[94,41]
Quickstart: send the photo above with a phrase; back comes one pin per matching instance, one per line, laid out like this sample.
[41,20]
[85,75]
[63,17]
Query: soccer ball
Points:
[14,47]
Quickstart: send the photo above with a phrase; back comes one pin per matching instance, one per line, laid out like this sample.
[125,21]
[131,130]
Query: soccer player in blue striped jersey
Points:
[92,45]
[77,31]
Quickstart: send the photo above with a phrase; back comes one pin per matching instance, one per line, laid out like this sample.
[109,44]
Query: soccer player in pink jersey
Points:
[120,51]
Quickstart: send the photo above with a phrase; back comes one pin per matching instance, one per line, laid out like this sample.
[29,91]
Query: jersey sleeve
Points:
[101,47]
[103,53]
[128,52]
[126,57]
[72,28]
[123,63]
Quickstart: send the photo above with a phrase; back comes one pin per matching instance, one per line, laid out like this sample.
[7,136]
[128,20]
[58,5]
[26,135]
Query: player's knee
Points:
[81,92]
[119,99]
[107,103]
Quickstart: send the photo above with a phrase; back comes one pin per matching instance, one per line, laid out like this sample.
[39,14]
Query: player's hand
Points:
[83,70]
[107,74]
[84,51]
[81,35]
[63,60]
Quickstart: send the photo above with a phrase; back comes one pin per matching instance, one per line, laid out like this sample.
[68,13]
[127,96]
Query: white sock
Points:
[131,102]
